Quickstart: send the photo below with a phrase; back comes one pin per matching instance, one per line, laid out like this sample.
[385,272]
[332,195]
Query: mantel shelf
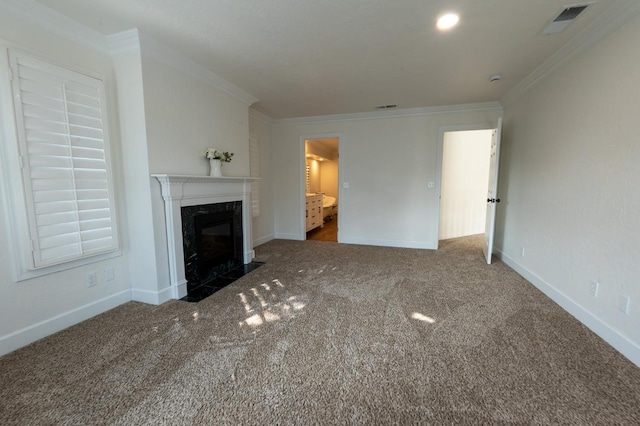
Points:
[202,179]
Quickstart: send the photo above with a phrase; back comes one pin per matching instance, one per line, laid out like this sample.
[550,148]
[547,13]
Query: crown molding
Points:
[614,17]
[124,42]
[172,58]
[118,44]
[373,115]
[257,115]
[46,18]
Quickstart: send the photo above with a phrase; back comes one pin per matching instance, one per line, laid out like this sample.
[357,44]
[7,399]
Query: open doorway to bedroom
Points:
[463,185]
[321,188]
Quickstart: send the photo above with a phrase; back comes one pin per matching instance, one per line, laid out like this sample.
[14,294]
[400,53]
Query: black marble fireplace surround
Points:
[212,242]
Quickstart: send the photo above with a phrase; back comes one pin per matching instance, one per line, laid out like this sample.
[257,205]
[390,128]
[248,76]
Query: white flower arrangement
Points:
[214,154]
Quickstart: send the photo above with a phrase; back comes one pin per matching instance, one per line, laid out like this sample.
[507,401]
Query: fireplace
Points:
[212,241]
[201,193]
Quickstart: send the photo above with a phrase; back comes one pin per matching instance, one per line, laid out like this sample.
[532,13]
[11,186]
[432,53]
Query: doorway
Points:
[463,182]
[321,164]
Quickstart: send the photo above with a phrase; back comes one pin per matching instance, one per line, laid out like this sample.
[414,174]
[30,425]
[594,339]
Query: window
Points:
[61,127]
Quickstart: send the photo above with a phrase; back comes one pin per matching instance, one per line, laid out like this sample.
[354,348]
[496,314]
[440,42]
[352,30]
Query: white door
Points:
[492,193]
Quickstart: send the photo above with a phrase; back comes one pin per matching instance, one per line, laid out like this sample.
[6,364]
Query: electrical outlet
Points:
[623,304]
[108,274]
[92,279]
[595,287]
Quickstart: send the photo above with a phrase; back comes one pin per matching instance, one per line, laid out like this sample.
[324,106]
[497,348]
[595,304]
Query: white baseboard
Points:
[369,242]
[296,237]
[30,334]
[152,297]
[621,343]
[389,243]
[259,241]
[248,256]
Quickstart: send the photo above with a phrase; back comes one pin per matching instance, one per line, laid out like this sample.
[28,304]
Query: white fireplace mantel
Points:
[185,190]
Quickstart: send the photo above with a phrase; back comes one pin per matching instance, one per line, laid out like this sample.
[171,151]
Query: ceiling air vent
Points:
[565,18]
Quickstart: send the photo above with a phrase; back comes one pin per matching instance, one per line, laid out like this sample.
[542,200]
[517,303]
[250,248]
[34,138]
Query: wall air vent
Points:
[565,18]
[386,106]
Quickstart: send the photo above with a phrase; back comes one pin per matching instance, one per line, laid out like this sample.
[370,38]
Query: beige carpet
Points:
[331,334]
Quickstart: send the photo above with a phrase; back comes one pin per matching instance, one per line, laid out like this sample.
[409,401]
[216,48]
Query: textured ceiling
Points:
[318,57]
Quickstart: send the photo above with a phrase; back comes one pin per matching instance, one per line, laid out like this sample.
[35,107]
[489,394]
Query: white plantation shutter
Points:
[60,122]
[254,166]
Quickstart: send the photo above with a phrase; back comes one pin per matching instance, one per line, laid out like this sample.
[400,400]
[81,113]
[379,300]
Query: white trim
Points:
[27,274]
[262,240]
[429,245]
[172,58]
[621,343]
[123,43]
[22,257]
[119,43]
[373,115]
[614,17]
[37,331]
[44,56]
[439,154]
[154,297]
[302,173]
[51,20]
[286,236]
[12,201]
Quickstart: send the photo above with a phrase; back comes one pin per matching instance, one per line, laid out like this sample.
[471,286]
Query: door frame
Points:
[302,191]
[439,157]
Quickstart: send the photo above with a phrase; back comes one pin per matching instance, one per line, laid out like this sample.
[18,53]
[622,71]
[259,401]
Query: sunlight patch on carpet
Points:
[421,317]
[267,304]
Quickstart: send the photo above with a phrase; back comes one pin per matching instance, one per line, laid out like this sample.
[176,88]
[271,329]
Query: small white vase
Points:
[216,167]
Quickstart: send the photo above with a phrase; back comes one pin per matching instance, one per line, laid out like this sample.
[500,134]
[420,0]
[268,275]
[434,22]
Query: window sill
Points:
[27,274]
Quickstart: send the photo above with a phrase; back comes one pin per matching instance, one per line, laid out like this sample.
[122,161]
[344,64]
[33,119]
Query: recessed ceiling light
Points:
[447,21]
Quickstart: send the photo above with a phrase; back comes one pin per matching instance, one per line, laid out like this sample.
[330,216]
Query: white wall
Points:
[387,162]
[36,307]
[135,164]
[463,187]
[184,116]
[329,177]
[263,225]
[569,178]
[170,115]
